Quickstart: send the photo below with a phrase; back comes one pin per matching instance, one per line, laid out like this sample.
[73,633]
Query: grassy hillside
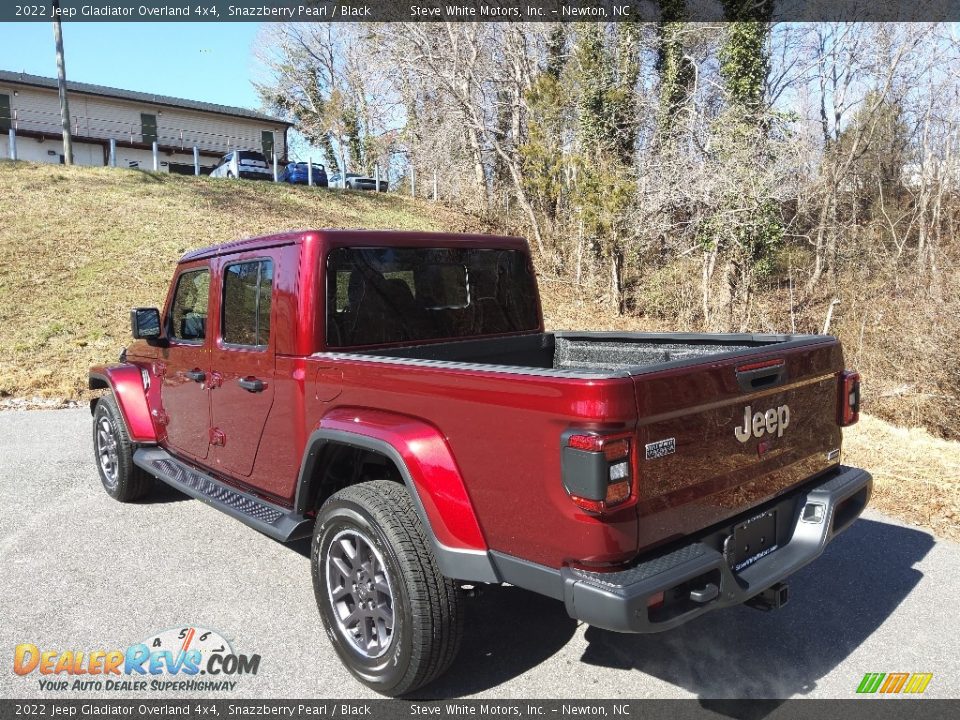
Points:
[79,247]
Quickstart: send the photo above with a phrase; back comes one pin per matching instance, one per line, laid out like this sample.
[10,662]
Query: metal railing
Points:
[165,138]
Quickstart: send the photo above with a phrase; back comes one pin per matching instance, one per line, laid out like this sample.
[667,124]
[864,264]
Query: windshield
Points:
[384,295]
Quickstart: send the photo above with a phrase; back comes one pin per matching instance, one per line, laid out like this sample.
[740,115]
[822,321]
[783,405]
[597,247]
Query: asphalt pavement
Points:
[82,572]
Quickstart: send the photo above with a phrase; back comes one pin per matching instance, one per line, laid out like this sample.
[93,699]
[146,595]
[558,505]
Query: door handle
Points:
[196,375]
[762,375]
[251,384]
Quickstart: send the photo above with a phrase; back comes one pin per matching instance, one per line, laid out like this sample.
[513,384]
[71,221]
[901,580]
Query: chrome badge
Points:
[661,448]
[774,421]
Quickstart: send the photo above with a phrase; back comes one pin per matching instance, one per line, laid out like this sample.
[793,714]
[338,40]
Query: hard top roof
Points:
[360,238]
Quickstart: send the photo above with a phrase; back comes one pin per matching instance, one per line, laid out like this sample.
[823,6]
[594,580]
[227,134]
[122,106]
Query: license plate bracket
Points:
[753,539]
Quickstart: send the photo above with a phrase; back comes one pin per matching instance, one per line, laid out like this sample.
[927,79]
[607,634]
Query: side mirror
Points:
[145,323]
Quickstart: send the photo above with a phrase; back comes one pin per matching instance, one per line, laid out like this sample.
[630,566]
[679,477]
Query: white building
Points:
[30,105]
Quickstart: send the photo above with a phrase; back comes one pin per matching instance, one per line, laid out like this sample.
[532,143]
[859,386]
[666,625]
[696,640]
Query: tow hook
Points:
[773,598]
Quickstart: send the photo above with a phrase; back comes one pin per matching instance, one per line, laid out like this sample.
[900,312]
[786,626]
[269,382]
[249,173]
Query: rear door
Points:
[717,439]
[243,359]
[184,365]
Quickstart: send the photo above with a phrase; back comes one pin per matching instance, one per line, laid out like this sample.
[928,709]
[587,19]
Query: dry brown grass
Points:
[80,246]
[916,475]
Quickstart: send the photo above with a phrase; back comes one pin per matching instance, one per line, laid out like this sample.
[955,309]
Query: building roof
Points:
[132,95]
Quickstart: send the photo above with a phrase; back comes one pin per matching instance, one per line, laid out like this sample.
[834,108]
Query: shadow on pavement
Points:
[301,546]
[507,631]
[163,493]
[836,603]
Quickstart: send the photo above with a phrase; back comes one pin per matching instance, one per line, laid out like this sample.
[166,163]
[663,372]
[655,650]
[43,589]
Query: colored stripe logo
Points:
[894,683]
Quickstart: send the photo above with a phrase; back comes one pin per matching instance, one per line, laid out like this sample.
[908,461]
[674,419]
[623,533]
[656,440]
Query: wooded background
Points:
[737,176]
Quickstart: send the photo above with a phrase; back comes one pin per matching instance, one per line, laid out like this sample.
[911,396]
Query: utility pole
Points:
[62,85]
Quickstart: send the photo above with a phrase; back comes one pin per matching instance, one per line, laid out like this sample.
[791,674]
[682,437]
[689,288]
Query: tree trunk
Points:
[616,280]
[479,176]
[709,263]
[820,248]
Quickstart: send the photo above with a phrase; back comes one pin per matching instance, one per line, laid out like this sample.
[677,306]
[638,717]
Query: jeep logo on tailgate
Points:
[774,420]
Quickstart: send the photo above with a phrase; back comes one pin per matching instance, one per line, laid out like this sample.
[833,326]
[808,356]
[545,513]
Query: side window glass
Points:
[188,316]
[247,296]
[343,284]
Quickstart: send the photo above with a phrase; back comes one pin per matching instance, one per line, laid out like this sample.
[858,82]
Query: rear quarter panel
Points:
[503,430]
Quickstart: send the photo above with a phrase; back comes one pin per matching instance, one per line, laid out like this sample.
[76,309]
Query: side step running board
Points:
[277,522]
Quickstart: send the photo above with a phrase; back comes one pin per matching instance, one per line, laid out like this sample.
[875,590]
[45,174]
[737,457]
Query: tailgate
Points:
[720,437]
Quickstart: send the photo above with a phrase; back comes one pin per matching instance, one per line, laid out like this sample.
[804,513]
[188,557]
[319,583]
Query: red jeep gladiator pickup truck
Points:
[395,396]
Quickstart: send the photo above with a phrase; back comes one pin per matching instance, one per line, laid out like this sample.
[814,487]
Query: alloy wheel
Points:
[107,451]
[360,594]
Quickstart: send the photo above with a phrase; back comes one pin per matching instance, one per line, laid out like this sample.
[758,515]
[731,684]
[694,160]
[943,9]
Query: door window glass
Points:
[188,317]
[247,294]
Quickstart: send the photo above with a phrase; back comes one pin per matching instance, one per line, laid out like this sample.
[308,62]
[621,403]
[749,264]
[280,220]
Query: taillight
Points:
[597,470]
[848,407]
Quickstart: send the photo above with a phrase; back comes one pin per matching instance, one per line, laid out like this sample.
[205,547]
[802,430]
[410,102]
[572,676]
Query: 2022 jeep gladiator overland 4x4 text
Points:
[395,396]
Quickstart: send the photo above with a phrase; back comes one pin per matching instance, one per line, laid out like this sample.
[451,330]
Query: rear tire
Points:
[393,618]
[113,452]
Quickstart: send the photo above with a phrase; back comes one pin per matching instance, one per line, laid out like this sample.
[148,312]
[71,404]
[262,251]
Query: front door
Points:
[185,364]
[243,361]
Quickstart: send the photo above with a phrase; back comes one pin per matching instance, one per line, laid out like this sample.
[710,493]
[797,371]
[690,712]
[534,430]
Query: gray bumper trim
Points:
[618,600]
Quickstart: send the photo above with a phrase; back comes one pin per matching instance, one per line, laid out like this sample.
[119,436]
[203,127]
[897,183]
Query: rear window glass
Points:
[386,295]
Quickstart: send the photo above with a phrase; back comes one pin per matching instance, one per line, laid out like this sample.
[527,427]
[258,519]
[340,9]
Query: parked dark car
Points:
[248,164]
[353,181]
[297,173]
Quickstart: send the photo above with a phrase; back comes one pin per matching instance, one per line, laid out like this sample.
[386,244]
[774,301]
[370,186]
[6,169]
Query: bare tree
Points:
[319,75]
[463,62]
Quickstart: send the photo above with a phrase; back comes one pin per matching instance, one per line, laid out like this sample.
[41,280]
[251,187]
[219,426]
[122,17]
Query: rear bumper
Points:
[619,600]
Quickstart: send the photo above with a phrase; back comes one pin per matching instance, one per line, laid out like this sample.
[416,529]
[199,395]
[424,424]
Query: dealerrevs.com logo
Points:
[180,659]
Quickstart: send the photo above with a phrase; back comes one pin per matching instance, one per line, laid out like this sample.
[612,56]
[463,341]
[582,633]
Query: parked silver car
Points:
[353,181]
[248,164]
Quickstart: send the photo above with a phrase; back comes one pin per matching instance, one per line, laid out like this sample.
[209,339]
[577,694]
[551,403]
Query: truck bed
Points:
[591,354]
[681,396]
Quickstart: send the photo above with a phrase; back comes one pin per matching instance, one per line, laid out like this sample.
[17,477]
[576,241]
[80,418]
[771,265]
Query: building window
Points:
[148,127]
[6,117]
[247,291]
[266,141]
